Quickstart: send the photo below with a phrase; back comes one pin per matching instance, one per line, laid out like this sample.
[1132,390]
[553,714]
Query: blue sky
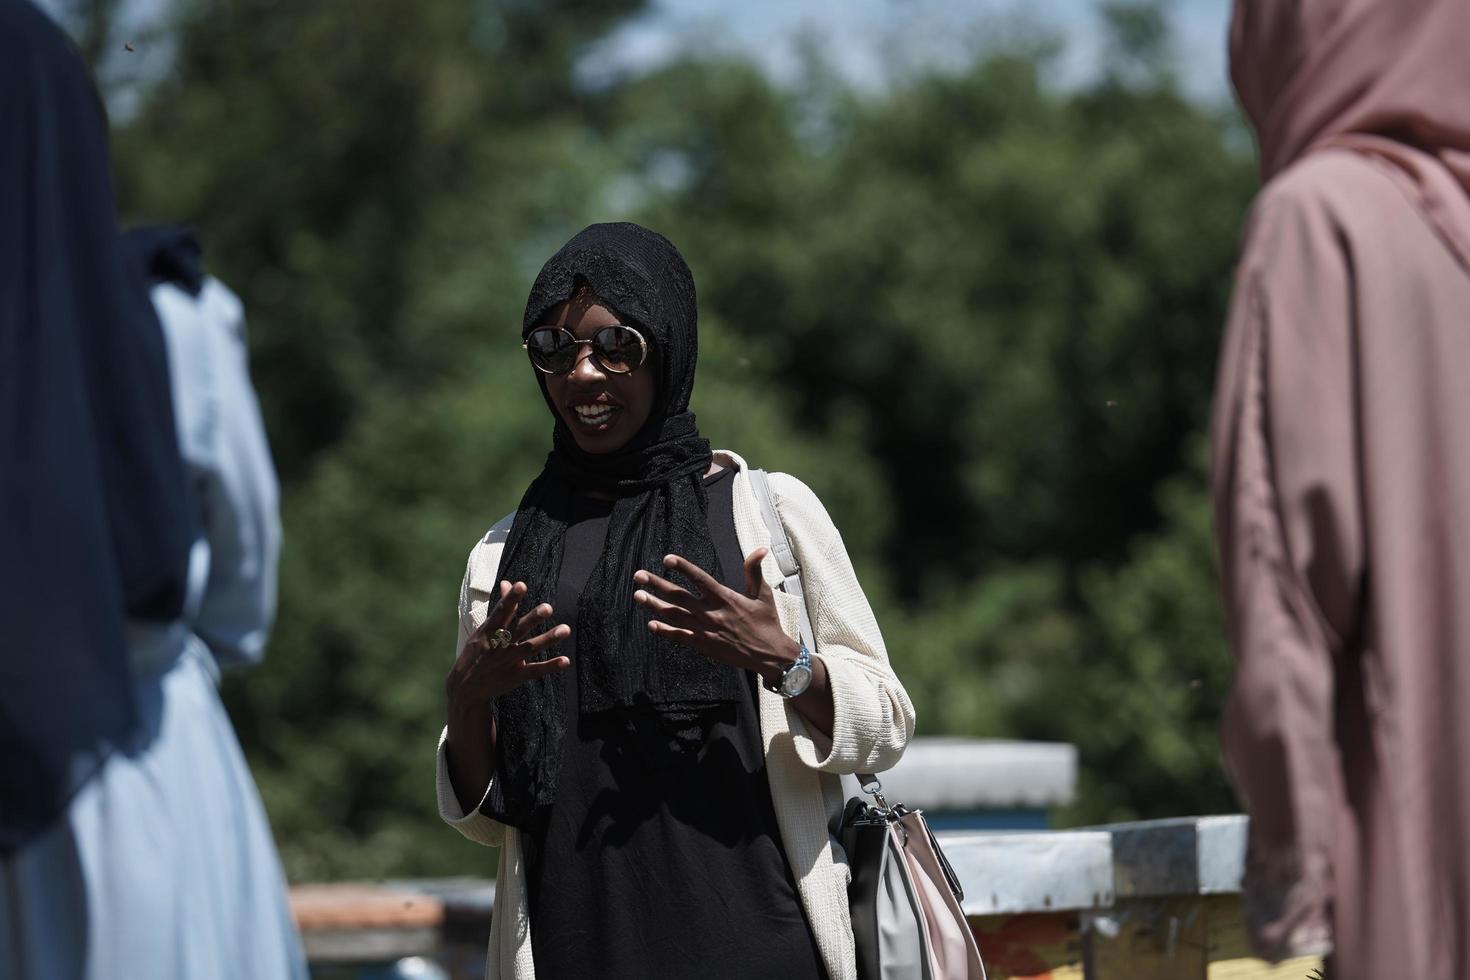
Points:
[865,39]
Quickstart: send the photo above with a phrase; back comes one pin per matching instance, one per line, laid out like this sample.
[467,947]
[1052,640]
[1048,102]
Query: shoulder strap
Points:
[781,551]
[791,585]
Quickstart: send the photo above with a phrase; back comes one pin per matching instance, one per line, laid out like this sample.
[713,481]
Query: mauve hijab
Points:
[1386,78]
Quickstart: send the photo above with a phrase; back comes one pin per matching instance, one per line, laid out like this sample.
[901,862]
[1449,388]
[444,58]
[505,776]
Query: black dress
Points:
[661,857]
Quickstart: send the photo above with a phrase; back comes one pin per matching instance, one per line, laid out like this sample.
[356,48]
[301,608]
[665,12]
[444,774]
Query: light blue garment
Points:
[164,867]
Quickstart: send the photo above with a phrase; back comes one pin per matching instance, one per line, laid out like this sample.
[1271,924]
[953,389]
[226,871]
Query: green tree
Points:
[1010,298]
[976,313]
[334,153]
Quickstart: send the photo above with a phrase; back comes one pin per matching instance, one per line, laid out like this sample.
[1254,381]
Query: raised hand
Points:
[491,663]
[742,630]
[494,658]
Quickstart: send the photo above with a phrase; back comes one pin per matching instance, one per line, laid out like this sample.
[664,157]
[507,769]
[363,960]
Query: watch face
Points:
[796,681]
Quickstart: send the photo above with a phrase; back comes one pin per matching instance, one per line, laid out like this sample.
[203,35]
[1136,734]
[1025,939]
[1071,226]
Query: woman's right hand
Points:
[483,672]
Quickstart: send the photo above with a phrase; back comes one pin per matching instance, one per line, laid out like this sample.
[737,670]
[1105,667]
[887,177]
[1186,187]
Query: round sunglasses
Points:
[616,349]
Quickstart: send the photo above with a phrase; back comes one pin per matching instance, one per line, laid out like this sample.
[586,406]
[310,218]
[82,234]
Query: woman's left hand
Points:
[740,630]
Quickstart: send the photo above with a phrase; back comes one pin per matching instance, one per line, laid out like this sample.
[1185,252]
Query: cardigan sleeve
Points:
[474,825]
[474,606]
[873,718]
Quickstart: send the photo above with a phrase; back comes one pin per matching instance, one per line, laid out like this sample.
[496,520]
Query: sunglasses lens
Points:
[551,349]
[620,349]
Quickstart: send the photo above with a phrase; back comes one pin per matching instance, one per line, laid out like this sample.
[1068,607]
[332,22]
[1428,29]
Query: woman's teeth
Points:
[594,414]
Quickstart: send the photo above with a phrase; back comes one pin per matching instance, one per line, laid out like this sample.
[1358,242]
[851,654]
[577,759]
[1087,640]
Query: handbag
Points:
[904,897]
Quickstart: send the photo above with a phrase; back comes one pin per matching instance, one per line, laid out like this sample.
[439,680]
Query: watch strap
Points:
[778,686]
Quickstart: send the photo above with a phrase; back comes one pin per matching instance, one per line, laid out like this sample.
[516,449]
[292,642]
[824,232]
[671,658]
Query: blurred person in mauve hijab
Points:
[1342,484]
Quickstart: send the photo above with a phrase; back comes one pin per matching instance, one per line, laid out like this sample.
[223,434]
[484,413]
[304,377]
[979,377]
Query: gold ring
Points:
[500,639]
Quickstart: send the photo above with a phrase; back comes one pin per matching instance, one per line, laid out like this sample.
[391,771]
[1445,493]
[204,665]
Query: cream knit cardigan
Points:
[873,723]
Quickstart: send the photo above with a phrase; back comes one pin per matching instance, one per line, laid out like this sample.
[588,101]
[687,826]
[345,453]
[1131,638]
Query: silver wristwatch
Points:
[796,678]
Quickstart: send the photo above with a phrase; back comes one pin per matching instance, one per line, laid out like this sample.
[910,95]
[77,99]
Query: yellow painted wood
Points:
[1252,969]
[1230,954]
[1156,939]
[1187,938]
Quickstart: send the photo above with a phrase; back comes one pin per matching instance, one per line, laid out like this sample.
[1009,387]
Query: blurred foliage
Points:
[976,313]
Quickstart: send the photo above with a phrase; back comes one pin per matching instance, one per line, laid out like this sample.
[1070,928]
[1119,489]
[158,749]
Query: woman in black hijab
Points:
[91,486]
[632,712]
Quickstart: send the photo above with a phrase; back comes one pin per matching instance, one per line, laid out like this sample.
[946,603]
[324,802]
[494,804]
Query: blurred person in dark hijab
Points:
[1342,484]
[91,486]
[147,854]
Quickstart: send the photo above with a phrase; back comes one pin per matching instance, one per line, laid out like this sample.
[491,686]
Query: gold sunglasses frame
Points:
[642,349]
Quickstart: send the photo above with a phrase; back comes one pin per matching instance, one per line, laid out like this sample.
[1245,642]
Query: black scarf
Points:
[660,507]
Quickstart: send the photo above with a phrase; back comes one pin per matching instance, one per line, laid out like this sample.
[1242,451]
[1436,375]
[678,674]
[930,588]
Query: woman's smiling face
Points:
[602,409]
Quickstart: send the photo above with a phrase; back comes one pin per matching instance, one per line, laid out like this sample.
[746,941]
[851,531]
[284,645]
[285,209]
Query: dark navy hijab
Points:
[93,520]
[167,254]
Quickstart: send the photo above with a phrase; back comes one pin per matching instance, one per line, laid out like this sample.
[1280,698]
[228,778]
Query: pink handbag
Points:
[907,921]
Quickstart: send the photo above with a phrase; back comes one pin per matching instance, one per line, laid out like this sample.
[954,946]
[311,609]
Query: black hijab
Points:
[660,507]
[92,508]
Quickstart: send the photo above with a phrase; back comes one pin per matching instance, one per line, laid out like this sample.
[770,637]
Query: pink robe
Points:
[1342,497]
[1342,484]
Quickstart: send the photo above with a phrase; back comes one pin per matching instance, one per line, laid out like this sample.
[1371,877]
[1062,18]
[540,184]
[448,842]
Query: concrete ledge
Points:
[1092,867]
[1179,856]
[979,774]
[1044,872]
